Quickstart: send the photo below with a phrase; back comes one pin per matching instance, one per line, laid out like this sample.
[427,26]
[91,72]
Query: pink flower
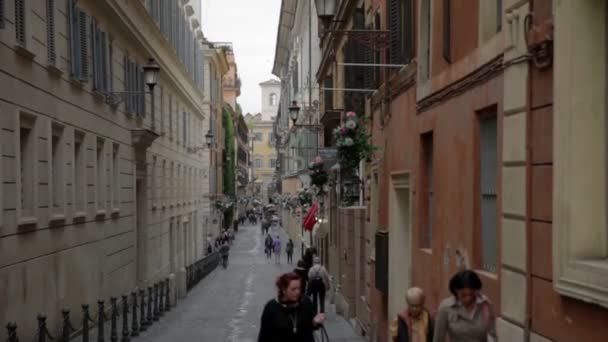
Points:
[351,114]
[318,160]
[343,130]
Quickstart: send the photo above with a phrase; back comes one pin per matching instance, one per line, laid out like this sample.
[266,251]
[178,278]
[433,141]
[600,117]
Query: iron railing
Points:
[200,269]
[156,302]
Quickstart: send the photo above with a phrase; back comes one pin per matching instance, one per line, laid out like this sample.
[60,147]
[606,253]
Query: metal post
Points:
[125,319]
[85,322]
[156,314]
[114,317]
[167,295]
[11,332]
[161,292]
[134,327]
[149,321]
[43,332]
[142,310]
[152,110]
[101,320]
[67,328]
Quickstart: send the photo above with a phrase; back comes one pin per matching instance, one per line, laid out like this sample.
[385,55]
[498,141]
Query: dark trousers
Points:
[290,258]
[318,296]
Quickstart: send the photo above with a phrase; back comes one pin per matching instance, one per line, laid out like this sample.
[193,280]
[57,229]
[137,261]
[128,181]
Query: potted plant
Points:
[353,143]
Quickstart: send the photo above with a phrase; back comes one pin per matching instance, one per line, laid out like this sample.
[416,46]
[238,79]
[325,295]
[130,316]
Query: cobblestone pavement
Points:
[227,305]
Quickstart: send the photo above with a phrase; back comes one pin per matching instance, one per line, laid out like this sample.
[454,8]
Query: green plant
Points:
[318,175]
[353,143]
[305,197]
[229,166]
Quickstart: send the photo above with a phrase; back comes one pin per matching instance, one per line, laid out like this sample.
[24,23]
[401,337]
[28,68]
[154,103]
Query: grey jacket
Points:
[452,320]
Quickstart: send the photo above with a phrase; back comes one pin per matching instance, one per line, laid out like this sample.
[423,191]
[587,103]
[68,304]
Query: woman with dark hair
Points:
[467,315]
[291,316]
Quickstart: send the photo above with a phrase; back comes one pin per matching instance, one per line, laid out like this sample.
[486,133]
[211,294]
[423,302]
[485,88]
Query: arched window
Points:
[273,99]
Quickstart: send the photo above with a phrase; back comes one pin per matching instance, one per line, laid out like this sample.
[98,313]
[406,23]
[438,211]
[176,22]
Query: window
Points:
[115,183]
[427,189]
[20,17]
[425,39]
[153,183]
[162,111]
[78,42]
[488,161]
[257,136]
[57,168]
[447,31]
[271,138]
[50,32]
[580,161]
[401,27]
[163,190]
[296,79]
[27,160]
[100,185]
[258,163]
[79,171]
[134,82]
[2,14]
[170,119]
[273,163]
[490,19]
[273,99]
[101,60]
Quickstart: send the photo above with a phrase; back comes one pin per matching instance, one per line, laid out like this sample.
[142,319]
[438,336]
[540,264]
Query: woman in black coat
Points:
[291,317]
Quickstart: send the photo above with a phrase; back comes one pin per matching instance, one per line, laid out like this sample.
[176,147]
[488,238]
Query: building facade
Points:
[101,192]
[264,155]
[473,116]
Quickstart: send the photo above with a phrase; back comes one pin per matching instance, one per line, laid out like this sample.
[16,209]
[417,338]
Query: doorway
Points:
[400,233]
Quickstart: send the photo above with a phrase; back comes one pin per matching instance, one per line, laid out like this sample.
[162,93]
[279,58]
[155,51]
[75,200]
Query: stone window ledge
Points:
[27,221]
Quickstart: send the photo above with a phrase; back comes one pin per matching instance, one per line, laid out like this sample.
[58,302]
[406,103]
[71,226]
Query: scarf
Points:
[417,327]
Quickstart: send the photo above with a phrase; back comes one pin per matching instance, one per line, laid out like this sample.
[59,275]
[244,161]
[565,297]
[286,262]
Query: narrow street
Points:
[227,305]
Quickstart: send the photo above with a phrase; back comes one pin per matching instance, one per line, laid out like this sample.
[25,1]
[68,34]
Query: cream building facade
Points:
[96,197]
[264,156]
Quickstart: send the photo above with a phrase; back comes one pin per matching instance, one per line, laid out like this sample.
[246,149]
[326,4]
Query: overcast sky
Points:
[251,25]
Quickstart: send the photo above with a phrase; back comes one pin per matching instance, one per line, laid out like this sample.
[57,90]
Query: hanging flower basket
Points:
[305,197]
[353,143]
[318,176]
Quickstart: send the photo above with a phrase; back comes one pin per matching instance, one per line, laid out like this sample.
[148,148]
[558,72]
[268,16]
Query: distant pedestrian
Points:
[290,317]
[276,248]
[318,284]
[301,271]
[289,250]
[268,244]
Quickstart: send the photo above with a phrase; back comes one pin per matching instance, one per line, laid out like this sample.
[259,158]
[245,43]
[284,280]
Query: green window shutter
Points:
[20,22]
[84,46]
[50,32]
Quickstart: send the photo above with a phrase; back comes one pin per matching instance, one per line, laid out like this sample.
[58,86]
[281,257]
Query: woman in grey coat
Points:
[467,315]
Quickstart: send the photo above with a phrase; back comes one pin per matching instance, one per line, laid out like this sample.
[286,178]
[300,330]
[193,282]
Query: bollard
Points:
[43,332]
[11,332]
[125,318]
[114,318]
[85,322]
[67,328]
[142,308]
[161,294]
[167,295]
[156,315]
[150,305]
[134,329]
[101,321]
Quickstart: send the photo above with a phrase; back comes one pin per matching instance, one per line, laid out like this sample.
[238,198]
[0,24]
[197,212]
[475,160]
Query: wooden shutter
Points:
[104,60]
[84,46]
[74,39]
[394,24]
[488,153]
[2,14]
[447,31]
[50,32]
[408,31]
[95,54]
[20,22]
[110,62]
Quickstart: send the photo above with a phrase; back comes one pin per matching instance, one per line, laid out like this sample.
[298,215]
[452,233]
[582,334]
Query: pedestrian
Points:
[268,244]
[289,250]
[276,248]
[301,271]
[318,284]
[467,315]
[415,322]
[308,258]
[291,316]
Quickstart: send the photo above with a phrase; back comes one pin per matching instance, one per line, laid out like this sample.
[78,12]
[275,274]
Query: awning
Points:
[311,217]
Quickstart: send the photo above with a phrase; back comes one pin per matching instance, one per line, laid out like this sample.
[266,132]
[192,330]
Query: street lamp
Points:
[208,141]
[326,9]
[151,73]
[294,111]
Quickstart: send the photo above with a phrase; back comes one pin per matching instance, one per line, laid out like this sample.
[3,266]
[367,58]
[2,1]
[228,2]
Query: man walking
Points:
[277,249]
[268,246]
[289,250]
[318,284]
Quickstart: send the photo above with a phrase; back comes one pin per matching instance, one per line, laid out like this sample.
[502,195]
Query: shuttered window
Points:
[2,14]
[50,32]
[427,189]
[498,15]
[329,93]
[447,31]
[101,58]
[488,159]
[401,27]
[20,22]
[78,42]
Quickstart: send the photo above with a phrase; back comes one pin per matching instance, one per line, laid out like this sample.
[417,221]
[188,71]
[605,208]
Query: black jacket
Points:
[277,322]
[303,275]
